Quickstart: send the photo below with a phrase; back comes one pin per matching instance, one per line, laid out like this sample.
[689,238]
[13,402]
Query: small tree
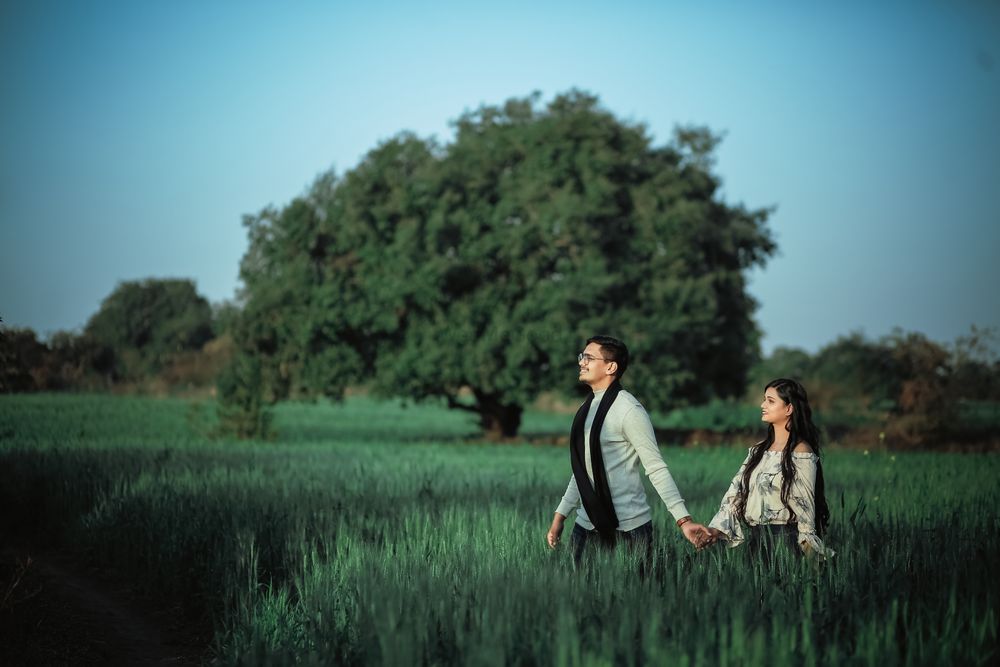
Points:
[145,323]
[240,407]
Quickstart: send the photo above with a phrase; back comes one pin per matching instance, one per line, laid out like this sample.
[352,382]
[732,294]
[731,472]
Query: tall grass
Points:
[372,533]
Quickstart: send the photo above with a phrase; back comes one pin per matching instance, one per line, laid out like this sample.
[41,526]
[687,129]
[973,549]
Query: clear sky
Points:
[134,135]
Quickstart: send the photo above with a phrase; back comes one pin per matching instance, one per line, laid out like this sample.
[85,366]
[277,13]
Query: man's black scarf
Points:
[597,496]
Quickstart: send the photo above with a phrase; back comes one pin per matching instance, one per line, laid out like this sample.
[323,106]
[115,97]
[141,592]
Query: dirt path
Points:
[60,613]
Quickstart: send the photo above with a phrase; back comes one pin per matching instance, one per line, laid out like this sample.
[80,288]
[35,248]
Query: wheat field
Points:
[377,533]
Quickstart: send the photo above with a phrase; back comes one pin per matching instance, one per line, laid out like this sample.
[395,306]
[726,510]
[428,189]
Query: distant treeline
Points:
[151,336]
[161,336]
[912,391]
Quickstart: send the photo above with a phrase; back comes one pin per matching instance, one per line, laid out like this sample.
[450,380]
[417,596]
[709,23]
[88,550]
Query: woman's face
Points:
[773,410]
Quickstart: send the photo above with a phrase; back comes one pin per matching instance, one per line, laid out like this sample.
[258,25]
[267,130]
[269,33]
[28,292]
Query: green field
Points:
[373,533]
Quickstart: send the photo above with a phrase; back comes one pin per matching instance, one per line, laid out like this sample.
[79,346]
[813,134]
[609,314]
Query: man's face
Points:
[593,367]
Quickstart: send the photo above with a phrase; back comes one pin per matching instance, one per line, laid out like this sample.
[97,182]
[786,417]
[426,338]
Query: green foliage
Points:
[147,334]
[241,410]
[487,262]
[718,416]
[225,317]
[20,352]
[77,361]
[367,543]
[67,361]
[146,323]
[917,388]
[976,365]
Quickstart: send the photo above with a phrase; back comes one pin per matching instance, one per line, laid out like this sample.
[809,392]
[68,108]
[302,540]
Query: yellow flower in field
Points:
[866,452]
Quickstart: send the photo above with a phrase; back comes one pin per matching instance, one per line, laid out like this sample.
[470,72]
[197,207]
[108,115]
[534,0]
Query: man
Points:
[611,436]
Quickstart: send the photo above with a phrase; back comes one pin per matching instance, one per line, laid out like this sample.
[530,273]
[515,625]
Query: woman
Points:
[778,491]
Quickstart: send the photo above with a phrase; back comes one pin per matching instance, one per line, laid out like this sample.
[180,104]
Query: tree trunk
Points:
[499,420]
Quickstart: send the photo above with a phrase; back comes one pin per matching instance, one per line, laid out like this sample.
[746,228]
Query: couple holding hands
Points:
[776,496]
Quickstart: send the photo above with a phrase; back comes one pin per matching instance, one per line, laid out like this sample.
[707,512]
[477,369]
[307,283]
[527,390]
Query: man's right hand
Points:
[696,534]
[555,530]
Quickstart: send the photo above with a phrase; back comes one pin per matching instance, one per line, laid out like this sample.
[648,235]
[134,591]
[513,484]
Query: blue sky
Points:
[134,135]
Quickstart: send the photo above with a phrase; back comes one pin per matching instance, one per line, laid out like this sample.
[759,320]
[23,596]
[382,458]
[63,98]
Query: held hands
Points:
[715,535]
[700,536]
[695,533]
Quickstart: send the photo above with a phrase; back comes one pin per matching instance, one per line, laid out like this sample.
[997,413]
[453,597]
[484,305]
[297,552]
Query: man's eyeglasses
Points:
[587,358]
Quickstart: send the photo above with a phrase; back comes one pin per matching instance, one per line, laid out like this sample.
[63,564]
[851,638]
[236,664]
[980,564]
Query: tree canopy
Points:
[143,324]
[485,263]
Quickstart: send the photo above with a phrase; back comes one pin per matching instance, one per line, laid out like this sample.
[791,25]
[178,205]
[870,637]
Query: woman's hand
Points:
[807,550]
[714,535]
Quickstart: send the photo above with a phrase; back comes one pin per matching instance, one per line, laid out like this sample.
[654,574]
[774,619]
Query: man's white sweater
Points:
[627,439]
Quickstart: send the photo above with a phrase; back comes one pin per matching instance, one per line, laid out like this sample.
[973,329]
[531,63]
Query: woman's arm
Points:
[726,524]
[803,501]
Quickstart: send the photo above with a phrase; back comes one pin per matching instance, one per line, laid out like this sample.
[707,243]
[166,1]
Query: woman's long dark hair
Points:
[800,429]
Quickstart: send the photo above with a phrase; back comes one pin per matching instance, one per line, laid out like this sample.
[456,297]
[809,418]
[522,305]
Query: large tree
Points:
[485,263]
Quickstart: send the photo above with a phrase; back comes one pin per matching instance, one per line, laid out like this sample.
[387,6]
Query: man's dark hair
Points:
[613,350]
